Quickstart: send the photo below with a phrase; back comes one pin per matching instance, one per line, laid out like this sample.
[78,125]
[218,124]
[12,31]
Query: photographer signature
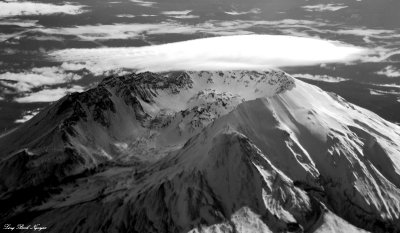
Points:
[35,227]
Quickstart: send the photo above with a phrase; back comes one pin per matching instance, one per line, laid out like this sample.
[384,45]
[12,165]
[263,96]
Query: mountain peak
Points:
[207,151]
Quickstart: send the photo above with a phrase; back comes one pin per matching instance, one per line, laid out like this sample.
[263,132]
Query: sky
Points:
[51,48]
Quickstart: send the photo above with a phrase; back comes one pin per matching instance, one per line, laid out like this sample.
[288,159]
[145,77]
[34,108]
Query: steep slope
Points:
[204,152]
[124,120]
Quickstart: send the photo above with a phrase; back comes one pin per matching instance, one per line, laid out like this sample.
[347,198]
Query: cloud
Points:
[180,14]
[36,77]
[72,66]
[9,9]
[19,22]
[379,41]
[393,85]
[324,7]
[48,95]
[185,16]
[44,38]
[126,16]
[367,34]
[380,54]
[374,92]
[218,53]
[380,92]
[252,11]
[147,15]
[185,12]
[129,31]
[143,3]
[390,71]
[5,37]
[106,32]
[323,78]
[27,115]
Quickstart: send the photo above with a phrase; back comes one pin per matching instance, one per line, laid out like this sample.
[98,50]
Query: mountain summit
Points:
[232,151]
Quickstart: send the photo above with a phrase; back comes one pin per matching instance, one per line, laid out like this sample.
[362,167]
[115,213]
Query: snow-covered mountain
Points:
[233,151]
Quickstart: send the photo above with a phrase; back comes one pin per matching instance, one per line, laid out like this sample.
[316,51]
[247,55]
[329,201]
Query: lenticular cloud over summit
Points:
[217,53]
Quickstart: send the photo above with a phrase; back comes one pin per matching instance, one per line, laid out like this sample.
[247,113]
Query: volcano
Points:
[204,151]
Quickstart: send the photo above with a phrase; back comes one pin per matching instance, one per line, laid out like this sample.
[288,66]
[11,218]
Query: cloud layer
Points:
[19,22]
[27,115]
[252,11]
[36,77]
[180,14]
[143,3]
[324,7]
[48,95]
[390,71]
[322,78]
[9,9]
[136,30]
[217,53]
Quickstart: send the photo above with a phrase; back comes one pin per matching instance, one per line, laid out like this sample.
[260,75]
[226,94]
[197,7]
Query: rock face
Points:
[234,151]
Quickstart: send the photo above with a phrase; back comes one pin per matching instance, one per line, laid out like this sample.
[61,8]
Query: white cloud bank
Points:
[136,30]
[252,11]
[393,85]
[110,31]
[294,27]
[324,7]
[48,95]
[47,77]
[9,9]
[143,3]
[323,78]
[37,77]
[390,71]
[19,22]
[185,14]
[26,116]
[217,53]
[126,16]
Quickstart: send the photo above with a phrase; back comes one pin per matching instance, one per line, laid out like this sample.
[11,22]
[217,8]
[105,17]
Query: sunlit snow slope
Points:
[235,151]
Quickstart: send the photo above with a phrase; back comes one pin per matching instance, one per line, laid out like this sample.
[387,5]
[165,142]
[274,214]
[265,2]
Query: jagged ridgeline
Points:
[232,151]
